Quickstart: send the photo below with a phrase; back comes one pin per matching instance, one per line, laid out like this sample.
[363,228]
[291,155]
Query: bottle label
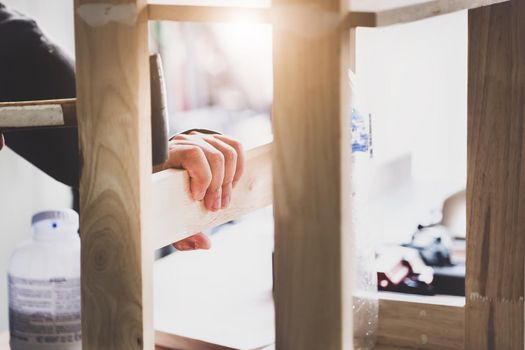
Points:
[361,133]
[44,312]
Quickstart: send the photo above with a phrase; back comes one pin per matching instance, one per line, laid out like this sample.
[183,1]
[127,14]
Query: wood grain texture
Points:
[496,178]
[177,215]
[311,198]
[189,13]
[113,103]
[417,325]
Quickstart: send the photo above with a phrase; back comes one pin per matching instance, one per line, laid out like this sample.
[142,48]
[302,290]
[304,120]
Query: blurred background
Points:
[412,77]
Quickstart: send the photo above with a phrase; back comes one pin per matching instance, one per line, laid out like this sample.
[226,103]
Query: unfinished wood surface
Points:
[113,103]
[362,13]
[176,215]
[37,114]
[417,325]
[377,13]
[313,298]
[496,178]
[189,13]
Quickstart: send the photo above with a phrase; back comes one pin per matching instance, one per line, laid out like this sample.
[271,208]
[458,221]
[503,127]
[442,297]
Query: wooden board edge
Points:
[177,215]
[413,13]
[189,13]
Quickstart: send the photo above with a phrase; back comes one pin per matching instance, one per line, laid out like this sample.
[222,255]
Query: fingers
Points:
[241,157]
[193,159]
[2,142]
[214,162]
[230,166]
[195,242]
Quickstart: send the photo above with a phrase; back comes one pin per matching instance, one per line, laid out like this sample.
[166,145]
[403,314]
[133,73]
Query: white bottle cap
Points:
[67,216]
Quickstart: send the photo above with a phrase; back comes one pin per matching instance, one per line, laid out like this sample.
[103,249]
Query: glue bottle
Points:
[44,285]
[365,298]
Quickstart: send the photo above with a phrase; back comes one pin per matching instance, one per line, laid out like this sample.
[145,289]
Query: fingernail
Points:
[225,201]
[217,204]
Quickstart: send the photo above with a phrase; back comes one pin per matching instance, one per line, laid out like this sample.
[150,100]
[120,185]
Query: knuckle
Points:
[217,158]
[237,145]
[206,178]
[194,151]
[230,154]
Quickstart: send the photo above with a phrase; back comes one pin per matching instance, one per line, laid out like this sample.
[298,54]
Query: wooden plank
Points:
[363,13]
[311,199]
[496,178]
[189,13]
[171,198]
[378,13]
[417,325]
[114,131]
[36,114]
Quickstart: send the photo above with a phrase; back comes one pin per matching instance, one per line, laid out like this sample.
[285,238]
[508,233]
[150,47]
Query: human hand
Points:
[215,164]
[2,142]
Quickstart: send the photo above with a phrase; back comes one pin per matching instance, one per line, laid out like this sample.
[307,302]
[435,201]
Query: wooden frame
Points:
[313,47]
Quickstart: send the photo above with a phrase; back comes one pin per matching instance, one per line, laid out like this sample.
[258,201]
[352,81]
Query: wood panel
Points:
[189,13]
[418,325]
[171,197]
[312,293]
[37,114]
[114,129]
[378,13]
[496,177]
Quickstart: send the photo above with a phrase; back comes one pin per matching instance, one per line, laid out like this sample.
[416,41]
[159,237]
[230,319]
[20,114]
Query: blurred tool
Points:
[62,113]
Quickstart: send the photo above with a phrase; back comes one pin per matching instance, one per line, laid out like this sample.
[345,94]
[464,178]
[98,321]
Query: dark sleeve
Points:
[33,68]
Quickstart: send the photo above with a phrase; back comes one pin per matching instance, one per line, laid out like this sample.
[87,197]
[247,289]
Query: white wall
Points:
[414,77]
[24,189]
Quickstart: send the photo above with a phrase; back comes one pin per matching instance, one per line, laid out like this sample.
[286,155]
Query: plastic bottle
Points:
[44,285]
[365,305]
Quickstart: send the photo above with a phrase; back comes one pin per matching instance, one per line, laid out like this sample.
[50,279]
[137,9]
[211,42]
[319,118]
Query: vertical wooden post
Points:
[496,177]
[311,180]
[114,131]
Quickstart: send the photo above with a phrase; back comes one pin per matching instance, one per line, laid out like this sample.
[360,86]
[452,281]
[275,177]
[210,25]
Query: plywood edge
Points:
[177,215]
